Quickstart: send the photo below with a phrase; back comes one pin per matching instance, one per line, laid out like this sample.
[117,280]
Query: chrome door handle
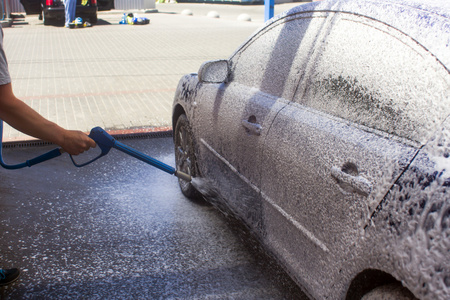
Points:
[358,183]
[252,128]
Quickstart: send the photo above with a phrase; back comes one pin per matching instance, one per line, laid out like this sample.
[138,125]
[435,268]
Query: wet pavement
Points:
[121,229]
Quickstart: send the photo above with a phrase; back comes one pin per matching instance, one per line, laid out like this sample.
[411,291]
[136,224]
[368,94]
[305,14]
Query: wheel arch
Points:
[366,281]
[177,112]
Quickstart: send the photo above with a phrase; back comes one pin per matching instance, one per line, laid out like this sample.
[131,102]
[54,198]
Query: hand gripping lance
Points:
[105,142]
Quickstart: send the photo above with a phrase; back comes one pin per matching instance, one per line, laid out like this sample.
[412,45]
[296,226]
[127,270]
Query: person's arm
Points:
[23,118]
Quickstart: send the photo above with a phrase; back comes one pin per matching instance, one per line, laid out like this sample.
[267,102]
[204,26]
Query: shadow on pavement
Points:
[102,22]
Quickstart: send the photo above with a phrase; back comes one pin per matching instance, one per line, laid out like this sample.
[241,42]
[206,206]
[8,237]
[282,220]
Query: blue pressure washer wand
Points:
[105,141]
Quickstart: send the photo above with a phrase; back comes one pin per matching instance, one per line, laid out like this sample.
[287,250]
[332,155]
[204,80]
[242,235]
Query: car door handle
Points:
[252,128]
[358,183]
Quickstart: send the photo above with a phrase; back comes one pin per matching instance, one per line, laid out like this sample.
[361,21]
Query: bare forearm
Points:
[22,117]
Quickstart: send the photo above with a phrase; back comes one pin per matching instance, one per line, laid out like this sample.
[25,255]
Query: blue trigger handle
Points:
[105,141]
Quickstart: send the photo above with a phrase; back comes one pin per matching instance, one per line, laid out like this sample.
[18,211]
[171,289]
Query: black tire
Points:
[93,19]
[45,20]
[393,291]
[185,156]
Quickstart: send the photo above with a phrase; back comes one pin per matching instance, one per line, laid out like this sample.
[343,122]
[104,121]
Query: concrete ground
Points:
[120,77]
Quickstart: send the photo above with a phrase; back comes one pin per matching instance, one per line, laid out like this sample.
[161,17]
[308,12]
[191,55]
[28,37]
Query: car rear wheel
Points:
[185,156]
[393,291]
[93,19]
[45,20]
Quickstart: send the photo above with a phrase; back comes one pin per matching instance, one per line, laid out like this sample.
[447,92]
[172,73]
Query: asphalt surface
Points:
[121,229]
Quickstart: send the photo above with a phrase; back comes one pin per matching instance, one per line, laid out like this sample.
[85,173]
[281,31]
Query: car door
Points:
[331,155]
[240,112]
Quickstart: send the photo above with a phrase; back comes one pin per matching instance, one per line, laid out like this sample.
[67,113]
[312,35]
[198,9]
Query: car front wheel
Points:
[185,156]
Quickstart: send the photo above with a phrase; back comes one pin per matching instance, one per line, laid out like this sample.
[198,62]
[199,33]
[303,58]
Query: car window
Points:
[374,75]
[271,61]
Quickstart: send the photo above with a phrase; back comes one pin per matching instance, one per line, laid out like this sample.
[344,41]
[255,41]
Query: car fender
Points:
[184,98]
[409,233]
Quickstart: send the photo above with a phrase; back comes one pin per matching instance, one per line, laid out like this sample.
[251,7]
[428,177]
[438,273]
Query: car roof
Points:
[427,22]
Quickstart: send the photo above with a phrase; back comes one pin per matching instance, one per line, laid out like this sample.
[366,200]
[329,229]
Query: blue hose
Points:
[105,142]
[46,156]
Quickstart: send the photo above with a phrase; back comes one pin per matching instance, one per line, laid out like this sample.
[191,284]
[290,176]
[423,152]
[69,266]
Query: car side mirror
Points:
[214,71]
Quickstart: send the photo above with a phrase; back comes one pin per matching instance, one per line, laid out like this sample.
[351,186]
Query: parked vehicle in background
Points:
[52,11]
[328,133]
[105,5]
[32,7]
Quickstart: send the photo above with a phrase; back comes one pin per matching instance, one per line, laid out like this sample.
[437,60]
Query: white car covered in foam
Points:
[328,134]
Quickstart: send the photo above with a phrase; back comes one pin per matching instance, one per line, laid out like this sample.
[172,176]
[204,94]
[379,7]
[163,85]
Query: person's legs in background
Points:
[70,8]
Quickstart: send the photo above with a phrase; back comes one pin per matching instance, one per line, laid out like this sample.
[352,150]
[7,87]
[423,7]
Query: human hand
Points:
[76,142]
